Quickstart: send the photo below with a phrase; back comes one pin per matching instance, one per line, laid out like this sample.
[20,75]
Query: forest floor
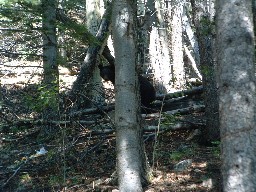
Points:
[77,160]
[84,172]
[79,157]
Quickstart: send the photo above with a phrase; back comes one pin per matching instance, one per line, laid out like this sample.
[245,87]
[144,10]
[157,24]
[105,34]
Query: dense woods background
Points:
[68,125]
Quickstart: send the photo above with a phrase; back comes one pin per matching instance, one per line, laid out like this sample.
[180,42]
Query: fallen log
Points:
[189,92]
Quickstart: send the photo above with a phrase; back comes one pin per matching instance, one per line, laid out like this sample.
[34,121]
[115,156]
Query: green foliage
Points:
[216,149]
[173,80]
[11,2]
[25,180]
[20,36]
[55,180]
[22,20]
[182,153]
[168,119]
[50,154]
[206,71]
[176,155]
[19,129]
[207,26]
[46,97]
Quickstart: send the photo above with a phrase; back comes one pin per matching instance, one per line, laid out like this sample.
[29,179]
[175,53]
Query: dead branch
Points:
[32,122]
[92,110]
[194,108]
[189,92]
[193,63]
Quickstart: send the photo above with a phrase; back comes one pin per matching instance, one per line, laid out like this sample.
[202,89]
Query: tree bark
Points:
[130,153]
[50,89]
[93,18]
[203,23]
[158,48]
[178,70]
[236,77]
[86,71]
[49,43]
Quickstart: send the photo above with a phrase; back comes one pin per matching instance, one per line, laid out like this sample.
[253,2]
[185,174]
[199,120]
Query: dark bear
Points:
[107,73]
[147,91]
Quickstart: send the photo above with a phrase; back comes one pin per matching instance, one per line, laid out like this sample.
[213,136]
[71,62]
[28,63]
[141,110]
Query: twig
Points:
[15,172]
[157,132]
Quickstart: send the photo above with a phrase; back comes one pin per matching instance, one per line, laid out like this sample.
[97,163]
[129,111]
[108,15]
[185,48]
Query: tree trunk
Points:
[86,71]
[50,89]
[158,47]
[61,39]
[93,18]
[178,72]
[254,16]
[192,38]
[236,77]
[50,43]
[203,23]
[130,164]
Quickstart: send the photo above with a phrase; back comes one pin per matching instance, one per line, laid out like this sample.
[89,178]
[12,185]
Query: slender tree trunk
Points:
[203,23]
[50,43]
[50,88]
[62,52]
[130,164]
[93,15]
[237,91]
[192,38]
[254,18]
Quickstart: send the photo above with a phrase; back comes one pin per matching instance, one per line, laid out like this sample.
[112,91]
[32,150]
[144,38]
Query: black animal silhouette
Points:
[147,91]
